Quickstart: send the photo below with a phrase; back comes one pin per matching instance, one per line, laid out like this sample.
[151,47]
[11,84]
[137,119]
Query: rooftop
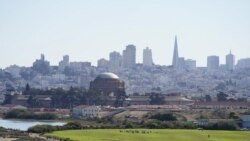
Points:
[107,75]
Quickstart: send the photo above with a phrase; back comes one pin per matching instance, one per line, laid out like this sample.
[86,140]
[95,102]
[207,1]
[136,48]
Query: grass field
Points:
[152,135]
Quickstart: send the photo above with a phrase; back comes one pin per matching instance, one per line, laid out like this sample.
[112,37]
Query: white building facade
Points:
[84,111]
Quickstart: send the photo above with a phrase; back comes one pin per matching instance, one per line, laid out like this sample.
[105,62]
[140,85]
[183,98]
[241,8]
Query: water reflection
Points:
[25,124]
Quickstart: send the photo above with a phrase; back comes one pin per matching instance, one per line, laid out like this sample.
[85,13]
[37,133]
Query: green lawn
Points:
[155,135]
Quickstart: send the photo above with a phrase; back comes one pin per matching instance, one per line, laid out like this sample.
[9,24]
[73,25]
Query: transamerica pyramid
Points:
[175,55]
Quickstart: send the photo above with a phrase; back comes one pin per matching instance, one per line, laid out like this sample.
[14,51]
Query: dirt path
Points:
[7,139]
[41,137]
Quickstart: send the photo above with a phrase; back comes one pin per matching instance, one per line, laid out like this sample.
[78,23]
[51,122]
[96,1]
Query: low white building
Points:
[85,111]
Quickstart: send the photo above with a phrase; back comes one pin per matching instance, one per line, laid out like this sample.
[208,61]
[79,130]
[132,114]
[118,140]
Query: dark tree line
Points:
[164,117]
[75,96]
[222,96]
[24,114]
[69,98]
[157,99]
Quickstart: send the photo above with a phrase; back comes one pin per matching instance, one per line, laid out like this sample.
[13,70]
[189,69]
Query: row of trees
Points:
[73,97]
[61,98]
[221,96]
[24,114]
[67,98]
[155,124]
[164,117]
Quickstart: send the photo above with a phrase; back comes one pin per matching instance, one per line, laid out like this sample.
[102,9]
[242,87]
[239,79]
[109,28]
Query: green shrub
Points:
[164,117]
[24,114]
[73,125]
[221,126]
[42,129]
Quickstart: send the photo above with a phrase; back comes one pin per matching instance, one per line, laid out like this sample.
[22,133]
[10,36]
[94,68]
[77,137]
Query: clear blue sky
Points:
[89,29]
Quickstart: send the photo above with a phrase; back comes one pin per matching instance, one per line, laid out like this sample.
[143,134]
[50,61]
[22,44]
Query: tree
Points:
[220,86]
[94,98]
[232,115]
[222,96]
[242,99]
[9,87]
[156,99]
[8,99]
[33,101]
[221,126]
[164,117]
[27,89]
[120,98]
[208,98]
[55,98]
[72,98]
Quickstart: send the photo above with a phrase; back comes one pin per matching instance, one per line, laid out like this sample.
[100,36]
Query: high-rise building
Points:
[66,59]
[213,62]
[147,57]
[103,63]
[42,57]
[230,61]
[79,66]
[176,54]
[41,65]
[243,63]
[129,56]
[190,64]
[181,63]
[64,63]
[115,60]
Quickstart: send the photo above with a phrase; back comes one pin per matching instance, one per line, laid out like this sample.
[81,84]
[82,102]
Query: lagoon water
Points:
[25,124]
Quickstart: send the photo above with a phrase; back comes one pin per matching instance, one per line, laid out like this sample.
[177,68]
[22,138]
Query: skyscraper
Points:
[66,59]
[129,56]
[42,57]
[64,63]
[41,65]
[147,57]
[230,61]
[243,63]
[181,63]
[190,64]
[102,63]
[175,55]
[213,62]
[115,60]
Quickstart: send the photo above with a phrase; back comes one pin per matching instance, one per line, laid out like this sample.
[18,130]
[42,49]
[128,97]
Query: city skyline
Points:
[175,59]
[90,30]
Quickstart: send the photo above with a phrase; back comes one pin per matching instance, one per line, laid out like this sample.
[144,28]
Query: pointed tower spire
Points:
[175,55]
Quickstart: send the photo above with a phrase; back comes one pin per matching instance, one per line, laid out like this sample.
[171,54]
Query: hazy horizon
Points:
[88,30]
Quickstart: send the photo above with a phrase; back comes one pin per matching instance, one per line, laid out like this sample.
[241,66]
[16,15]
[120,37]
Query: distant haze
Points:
[88,30]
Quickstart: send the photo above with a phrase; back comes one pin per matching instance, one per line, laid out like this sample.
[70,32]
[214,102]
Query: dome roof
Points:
[107,75]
